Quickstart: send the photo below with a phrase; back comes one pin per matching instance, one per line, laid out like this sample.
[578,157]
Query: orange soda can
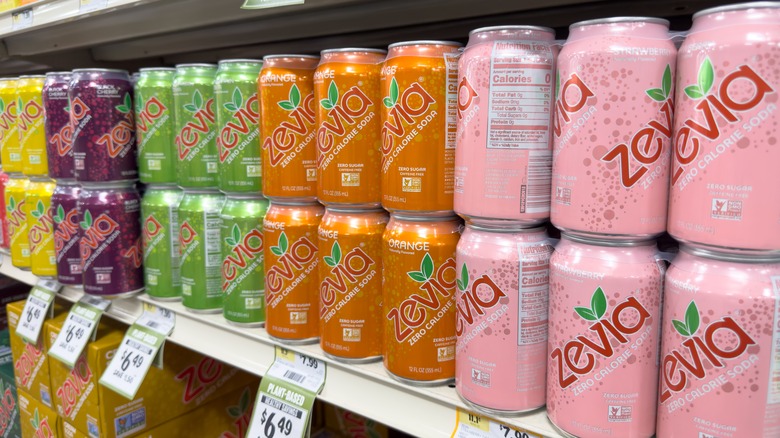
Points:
[40,223]
[418,256]
[10,154]
[29,121]
[291,277]
[350,243]
[419,98]
[16,214]
[348,99]
[288,127]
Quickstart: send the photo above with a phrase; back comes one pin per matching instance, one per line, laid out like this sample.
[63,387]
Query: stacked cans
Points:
[502,190]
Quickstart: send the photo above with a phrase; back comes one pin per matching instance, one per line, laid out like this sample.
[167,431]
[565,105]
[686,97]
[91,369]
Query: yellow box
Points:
[31,363]
[38,420]
[187,381]
[6,5]
[348,423]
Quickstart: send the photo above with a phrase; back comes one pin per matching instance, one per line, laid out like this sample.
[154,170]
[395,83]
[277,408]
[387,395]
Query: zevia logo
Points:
[80,115]
[41,426]
[187,235]
[135,253]
[343,111]
[67,225]
[466,96]
[7,119]
[63,140]
[412,313]
[281,144]
[244,248]
[43,227]
[354,265]
[77,383]
[241,414]
[291,259]
[31,114]
[199,125]
[122,134]
[475,300]
[726,102]
[199,377]
[578,356]
[95,233]
[26,366]
[246,115]
[16,216]
[7,408]
[152,229]
[150,115]
[721,340]
[405,108]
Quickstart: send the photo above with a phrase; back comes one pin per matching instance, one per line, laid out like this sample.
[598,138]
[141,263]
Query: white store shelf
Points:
[364,389]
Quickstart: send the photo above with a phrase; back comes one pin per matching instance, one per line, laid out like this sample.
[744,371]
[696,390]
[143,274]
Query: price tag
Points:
[138,350]
[22,19]
[286,396]
[160,312]
[264,4]
[78,329]
[471,425]
[91,5]
[36,310]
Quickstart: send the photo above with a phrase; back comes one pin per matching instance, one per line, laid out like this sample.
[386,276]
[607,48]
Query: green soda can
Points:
[196,132]
[238,118]
[160,216]
[201,250]
[154,124]
[243,280]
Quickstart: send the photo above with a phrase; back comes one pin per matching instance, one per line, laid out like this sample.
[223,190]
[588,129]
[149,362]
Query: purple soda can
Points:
[67,232]
[56,123]
[101,112]
[110,245]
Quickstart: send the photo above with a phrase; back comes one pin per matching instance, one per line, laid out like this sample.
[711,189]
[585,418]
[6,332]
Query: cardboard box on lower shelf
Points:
[10,427]
[187,381]
[37,420]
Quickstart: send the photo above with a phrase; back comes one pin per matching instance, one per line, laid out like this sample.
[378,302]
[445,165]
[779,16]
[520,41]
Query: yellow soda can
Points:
[29,122]
[16,213]
[10,154]
[40,223]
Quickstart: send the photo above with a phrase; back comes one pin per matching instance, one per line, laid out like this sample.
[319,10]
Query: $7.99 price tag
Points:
[286,396]
[135,355]
[79,327]
[470,425]
[36,310]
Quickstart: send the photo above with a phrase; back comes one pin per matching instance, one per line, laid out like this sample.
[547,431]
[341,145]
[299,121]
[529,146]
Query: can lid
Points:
[354,49]
[40,178]
[425,43]
[352,209]
[66,182]
[58,73]
[737,7]
[611,20]
[145,69]
[107,184]
[163,186]
[606,241]
[238,195]
[282,201]
[99,70]
[31,76]
[240,61]
[410,216]
[504,228]
[201,190]
[192,65]
[500,28]
[731,256]
[9,79]
[19,175]
[290,56]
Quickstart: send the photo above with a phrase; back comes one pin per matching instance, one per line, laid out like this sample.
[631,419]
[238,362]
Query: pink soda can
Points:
[724,176]
[613,128]
[501,306]
[56,124]
[604,324]
[503,160]
[101,112]
[720,355]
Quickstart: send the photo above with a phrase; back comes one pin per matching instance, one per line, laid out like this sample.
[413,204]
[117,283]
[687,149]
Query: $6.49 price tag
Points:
[79,327]
[36,310]
[470,425]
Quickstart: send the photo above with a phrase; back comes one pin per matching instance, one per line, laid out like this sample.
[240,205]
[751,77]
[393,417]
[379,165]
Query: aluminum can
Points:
[101,112]
[612,128]
[286,91]
[725,131]
[419,88]
[154,126]
[721,334]
[16,214]
[602,376]
[67,232]
[5,239]
[348,101]
[160,216]
[56,124]
[10,153]
[419,275]
[29,121]
[238,125]
[196,132]
[350,290]
[40,223]
[201,250]
[110,245]
[501,305]
[243,277]
[503,159]
[291,277]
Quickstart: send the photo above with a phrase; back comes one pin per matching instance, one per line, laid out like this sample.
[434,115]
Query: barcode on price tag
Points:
[79,327]
[299,369]
[36,310]
[471,425]
[22,19]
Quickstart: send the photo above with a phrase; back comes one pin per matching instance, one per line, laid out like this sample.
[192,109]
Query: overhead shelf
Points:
[364,389]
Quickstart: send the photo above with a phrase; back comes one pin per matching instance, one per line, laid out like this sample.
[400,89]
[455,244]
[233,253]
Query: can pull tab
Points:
[553,241]
[664,259]
[678,37]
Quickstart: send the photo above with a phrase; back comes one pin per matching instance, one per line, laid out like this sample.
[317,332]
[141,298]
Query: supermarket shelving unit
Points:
[65,34]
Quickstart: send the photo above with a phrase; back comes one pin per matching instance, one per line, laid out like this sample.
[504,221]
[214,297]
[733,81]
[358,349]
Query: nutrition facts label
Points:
[773,394]
[534,281]
[521,77]
[451,61]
